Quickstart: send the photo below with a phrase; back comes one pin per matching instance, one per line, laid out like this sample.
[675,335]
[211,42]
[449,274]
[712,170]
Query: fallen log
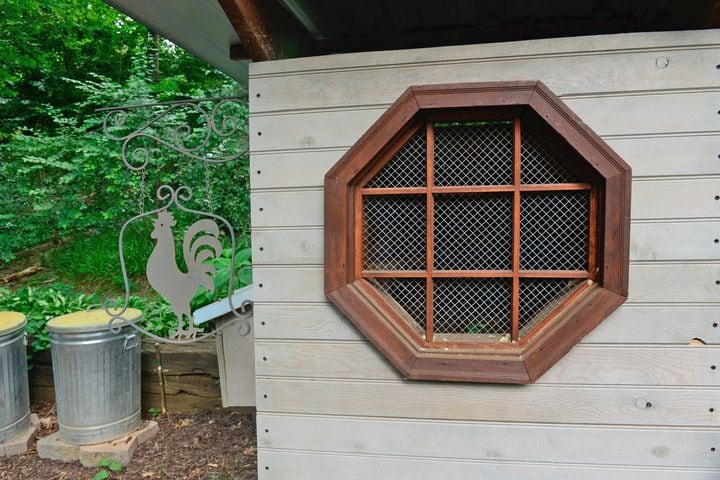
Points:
[21,274]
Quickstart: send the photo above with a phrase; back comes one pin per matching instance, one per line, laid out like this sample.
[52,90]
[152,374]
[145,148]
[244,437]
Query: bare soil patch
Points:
[215,444]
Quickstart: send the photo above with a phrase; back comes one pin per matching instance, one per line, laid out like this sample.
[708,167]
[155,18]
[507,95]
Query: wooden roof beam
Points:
[267,30]
[713,15]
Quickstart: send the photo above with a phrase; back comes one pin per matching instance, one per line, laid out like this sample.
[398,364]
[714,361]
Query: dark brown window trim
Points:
[516,362]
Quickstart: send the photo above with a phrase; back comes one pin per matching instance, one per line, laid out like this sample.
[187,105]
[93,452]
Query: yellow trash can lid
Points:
[11,321]
[90,320]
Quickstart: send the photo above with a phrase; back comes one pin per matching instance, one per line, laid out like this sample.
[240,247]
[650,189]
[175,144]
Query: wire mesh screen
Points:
[479,306]
[407,295]
[539,297]
[394,232]
[474,154]
[473,232]
[407,168]
[554,230]
[540,161]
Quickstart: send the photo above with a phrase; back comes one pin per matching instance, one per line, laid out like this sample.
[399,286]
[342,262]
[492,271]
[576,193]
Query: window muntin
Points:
[496,238]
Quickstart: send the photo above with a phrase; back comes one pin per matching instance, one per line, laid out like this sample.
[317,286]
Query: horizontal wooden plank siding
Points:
[599,404]
[692,199]
[657,241]
[585,365]
[693,111]
[649,282]
[551,48]
[630,324]
[636,400]
[488,441]
[283,465]
[650,156]
[576,67]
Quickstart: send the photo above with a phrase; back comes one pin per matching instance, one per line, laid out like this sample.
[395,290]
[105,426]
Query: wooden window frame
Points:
[521,360]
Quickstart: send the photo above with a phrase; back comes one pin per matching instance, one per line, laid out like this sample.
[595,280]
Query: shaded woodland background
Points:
[64,192]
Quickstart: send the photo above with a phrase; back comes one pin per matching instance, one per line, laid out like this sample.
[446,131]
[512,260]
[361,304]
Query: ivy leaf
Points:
[101,475]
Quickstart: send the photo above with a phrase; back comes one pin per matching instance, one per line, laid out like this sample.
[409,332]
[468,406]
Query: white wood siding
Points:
[637,399]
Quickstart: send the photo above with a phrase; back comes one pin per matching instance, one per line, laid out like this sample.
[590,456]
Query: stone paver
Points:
[20,444]
[120,449]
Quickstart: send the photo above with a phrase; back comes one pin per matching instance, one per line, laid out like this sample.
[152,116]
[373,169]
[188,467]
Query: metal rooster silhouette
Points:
[177,287]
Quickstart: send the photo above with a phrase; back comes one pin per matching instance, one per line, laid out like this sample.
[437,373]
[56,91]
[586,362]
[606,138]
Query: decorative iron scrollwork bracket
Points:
[201,239]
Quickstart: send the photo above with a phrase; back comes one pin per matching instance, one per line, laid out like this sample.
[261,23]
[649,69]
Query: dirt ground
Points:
[216,444]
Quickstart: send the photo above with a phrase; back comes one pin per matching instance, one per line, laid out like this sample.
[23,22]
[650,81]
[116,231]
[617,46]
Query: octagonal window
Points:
[477,224]
[477,231]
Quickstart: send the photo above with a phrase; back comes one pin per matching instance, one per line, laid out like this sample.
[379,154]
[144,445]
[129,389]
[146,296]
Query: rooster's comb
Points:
[166,217]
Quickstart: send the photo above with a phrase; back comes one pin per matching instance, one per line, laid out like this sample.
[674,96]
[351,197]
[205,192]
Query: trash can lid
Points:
[90,320]
[11,321]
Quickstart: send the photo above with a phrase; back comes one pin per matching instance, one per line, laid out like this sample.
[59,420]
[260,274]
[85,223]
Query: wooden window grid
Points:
[528,287]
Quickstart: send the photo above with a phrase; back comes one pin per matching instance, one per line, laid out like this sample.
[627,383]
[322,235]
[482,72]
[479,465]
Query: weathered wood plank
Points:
[621,115]
[181,402]
[282,465]
[303,322]
[196,385]
[572,74]
[677,406]
[584,365]
[183,393]
[674,241]
[198,358]
[648,156]
[660,241]
[289,208]
[288,247]
[237,364]
[693,198]
[651,324]
[669,155]
[490,441]
[665,283]
[289,284]
[585,45]
[658,283]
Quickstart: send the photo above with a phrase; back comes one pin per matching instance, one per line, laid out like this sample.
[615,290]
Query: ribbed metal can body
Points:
[14,397]
[97,384]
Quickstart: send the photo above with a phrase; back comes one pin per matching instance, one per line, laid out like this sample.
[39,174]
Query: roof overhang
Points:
[229,33]
[199,26]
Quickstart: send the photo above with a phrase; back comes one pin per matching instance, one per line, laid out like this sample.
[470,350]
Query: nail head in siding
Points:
[662,62]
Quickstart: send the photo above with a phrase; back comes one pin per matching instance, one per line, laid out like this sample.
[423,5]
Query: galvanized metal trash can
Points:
[14,397]
[97,376]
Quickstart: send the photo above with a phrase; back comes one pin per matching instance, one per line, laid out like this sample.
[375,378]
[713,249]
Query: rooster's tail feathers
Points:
[194,248]
[206,279]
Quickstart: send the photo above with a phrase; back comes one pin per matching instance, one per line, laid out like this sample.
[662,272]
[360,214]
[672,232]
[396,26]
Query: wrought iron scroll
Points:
[215,124]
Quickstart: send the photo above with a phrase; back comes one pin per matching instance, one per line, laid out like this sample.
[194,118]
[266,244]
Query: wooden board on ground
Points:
[191,377]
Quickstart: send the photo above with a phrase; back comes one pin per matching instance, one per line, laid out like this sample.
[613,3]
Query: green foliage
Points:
[107,466]
[42,304]
[59,61]
[101,475]
[95,259]
[63,180]
[154,411]
[159,317]
[112,465]
[241,278]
